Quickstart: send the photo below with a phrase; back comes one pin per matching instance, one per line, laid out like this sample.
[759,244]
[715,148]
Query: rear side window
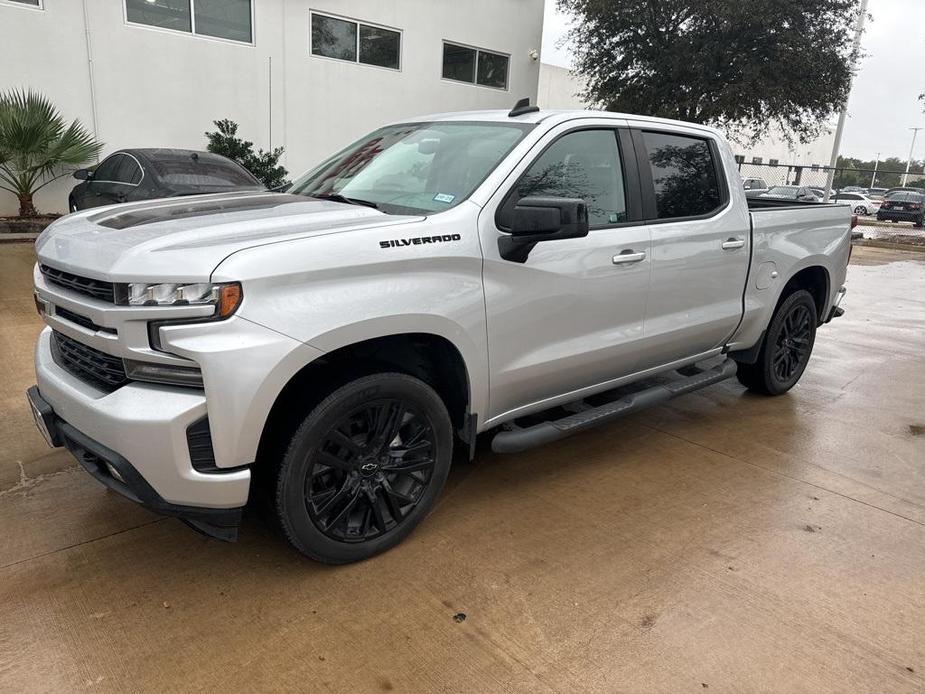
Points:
[684,175]
[583,164]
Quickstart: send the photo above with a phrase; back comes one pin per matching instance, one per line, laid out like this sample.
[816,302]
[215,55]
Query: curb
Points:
[878,243]
[18,237]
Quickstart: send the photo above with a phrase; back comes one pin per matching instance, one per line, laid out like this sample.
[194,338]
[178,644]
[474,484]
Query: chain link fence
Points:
[775,174]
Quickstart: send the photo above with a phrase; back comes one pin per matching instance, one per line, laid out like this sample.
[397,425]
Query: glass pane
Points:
[108,169]
[226,19]
[28,2]
[379,46]
[128,171]
[458,63]
[334,38]
[414,168]
[169,14]
[684,175]
[181,169]
[586,165]
[492,70]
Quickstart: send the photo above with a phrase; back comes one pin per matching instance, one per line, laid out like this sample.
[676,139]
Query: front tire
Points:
[860,209]
[364,468]
[785,352]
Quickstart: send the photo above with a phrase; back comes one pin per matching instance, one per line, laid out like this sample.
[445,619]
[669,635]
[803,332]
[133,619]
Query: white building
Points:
[559,88]
[308,75]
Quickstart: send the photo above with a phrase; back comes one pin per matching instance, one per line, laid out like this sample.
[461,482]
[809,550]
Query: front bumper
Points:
[117,473]
[144,427]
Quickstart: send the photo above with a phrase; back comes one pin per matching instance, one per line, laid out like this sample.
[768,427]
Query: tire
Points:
[860,210]
[358,476]
[787,347]
[72,205]
[920,223]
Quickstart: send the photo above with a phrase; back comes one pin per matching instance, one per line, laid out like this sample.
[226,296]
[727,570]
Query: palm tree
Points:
[37,146]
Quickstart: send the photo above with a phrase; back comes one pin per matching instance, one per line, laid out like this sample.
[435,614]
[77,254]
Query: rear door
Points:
[700,243]
[571,316]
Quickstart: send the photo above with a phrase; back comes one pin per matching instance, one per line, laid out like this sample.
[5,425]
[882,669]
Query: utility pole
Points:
[836,146]
[873,179]
[915,132]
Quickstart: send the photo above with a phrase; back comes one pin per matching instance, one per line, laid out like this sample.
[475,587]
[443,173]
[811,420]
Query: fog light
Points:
[189,376]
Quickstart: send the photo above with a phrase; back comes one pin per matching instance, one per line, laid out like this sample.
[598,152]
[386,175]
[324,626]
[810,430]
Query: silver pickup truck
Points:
[528,274]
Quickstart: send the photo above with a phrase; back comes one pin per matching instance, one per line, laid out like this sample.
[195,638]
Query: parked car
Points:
[903,206]
[327,348]
[860,203]
[144,174]
[803,193]
[754,187]
[876,193]
[892,191]
[852,189]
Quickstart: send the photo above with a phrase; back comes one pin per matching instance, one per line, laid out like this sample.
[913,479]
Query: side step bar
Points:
[518,439]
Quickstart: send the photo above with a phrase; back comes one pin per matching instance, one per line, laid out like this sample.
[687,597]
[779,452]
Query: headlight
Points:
[225,296]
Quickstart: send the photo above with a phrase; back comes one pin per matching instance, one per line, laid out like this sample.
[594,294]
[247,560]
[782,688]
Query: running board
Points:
[518,439]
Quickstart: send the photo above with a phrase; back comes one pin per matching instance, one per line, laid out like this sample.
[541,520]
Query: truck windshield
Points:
[413,168]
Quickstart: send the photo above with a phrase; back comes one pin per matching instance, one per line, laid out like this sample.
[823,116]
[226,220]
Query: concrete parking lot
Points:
[723,542]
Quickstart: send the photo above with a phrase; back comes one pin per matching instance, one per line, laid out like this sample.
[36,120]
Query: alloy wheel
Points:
[370,470]
[793,344]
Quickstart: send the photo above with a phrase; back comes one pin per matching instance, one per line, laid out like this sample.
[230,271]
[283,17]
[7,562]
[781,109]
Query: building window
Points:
[475,66]
[31,3]
[223,19]
[756,160]
[773,162]
[357,42]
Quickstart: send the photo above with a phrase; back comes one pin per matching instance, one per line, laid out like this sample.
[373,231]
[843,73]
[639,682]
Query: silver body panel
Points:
[567,323]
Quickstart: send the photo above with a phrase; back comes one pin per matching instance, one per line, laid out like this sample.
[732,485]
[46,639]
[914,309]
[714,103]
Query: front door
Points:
[570,316]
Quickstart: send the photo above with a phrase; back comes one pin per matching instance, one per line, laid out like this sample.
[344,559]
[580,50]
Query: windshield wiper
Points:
[337,197]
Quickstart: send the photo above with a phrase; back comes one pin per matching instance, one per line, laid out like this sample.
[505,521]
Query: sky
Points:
[884,96]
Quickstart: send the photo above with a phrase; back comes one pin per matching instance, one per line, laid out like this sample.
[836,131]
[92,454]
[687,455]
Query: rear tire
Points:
[786,349]
[364,468]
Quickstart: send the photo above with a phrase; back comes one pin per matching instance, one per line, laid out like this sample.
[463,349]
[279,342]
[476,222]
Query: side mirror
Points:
[537,219]
[83,174]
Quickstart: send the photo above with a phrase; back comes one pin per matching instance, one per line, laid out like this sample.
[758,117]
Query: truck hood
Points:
[185,239]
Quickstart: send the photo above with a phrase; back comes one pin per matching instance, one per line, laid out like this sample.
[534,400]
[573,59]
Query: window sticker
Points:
[444,197]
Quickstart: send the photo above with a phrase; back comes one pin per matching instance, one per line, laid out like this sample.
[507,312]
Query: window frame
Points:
[647,184]
[358,23]
[475,72]
[40,6]
[120,183]
[631,182]
[192,32]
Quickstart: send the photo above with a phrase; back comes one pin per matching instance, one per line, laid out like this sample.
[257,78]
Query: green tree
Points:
[37,146]
[264,165]
[745,66]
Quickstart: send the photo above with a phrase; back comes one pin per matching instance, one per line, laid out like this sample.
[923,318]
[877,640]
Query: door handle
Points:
[626,257]
[732,244]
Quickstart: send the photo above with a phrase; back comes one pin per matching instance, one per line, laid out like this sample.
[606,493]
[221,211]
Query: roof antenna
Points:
[521,107]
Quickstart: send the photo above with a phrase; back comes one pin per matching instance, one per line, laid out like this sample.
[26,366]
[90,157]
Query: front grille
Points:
[82,321]
[97,368]
[98,289]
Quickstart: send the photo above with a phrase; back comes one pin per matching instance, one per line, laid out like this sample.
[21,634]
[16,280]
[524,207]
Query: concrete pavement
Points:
[723,542]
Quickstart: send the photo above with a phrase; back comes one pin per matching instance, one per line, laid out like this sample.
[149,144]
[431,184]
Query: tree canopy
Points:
[744,66]
[263,165]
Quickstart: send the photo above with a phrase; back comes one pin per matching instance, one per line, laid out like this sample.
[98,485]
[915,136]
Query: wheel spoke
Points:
[332,461]
[344,511]
[342,493]
[413,466]
[344,441]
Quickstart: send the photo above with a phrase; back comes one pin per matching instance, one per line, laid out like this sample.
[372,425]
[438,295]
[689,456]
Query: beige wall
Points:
[161,88]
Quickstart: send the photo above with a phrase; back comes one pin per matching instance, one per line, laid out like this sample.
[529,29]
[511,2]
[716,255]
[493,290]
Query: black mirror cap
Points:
[552,218]
[537,219]
[83,174]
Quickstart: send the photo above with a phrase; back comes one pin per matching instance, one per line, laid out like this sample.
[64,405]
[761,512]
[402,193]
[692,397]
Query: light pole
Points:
[915,132]
[873,179]
[858,31]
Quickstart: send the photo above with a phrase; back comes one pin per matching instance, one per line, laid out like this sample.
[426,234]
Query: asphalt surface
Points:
[723,542]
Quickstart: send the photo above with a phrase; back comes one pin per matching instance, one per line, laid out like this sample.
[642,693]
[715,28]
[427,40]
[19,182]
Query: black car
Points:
[903,207]
[144,174]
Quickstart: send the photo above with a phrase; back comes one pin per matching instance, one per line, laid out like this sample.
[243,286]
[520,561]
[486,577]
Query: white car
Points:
[860,203]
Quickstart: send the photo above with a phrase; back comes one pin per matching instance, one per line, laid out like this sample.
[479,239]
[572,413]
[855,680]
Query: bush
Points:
[263,165]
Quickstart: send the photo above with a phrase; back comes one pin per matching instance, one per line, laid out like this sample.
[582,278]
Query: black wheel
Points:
[788,344]
[919,223]
[364,468]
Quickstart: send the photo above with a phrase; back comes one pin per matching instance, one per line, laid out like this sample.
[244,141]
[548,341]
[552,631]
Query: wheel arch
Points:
[816,280]
[430,357]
